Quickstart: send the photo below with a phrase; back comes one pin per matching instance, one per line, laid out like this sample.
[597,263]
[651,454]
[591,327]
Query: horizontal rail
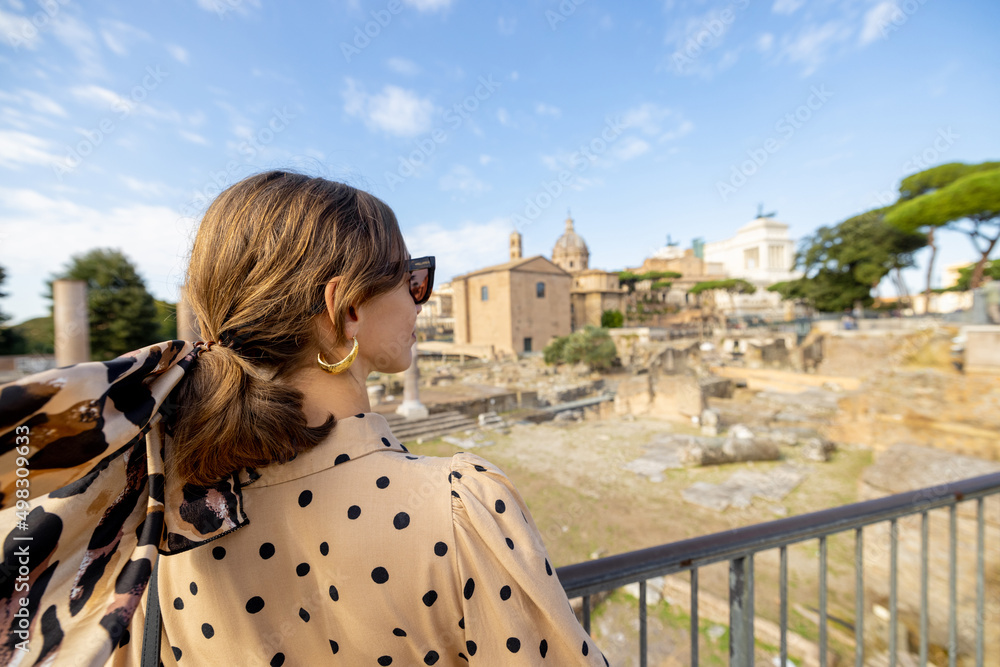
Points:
[590,577]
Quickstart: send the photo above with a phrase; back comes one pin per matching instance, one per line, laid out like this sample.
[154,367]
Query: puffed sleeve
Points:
[516,611]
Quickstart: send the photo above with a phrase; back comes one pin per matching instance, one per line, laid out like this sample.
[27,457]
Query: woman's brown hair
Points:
[263,255]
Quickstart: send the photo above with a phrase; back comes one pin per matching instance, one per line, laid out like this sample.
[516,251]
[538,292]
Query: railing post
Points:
[740,612]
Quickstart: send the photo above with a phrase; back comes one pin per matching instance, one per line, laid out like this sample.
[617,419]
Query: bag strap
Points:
[154,622]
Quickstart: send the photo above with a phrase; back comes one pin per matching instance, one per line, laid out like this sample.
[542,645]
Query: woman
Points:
[294,528]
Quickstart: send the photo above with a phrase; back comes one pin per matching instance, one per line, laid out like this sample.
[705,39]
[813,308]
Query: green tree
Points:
[122,313]
[590,345]
[629,279]
[612,319]
[990,270]
[731,285]
[11,340]
[955,196]
[553,352]
[844,262]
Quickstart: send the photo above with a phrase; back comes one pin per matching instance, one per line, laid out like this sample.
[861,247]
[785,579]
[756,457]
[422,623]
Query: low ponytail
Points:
[263,255]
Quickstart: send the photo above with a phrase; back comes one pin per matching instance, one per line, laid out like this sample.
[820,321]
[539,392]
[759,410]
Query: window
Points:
[571,264]
[775,257]
[751,258]
[484,293]
[527,345]
[540,290]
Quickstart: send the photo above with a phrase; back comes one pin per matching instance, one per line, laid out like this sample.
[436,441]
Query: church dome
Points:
[570,251]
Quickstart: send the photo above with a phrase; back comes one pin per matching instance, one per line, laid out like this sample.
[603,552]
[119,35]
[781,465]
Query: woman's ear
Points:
[329,295]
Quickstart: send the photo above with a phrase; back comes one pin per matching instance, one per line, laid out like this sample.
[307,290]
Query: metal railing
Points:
[738,547]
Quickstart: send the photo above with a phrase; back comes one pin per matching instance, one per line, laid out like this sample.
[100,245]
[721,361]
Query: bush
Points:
[590,345]
[612,319]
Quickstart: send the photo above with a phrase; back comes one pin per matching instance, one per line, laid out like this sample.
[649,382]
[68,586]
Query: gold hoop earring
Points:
[341,365]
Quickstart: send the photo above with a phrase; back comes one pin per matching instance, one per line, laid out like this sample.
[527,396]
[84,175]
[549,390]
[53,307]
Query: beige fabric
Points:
[360,553]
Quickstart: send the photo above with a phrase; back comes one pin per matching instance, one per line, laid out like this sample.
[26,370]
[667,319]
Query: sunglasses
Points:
[421,278]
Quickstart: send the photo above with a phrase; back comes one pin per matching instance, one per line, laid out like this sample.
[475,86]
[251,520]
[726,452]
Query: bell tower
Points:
[515,245]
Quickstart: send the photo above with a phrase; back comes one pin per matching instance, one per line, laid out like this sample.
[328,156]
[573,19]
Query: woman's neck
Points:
[325,394]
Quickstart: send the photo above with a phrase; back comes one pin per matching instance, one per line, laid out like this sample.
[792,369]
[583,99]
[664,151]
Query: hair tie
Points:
[208,345]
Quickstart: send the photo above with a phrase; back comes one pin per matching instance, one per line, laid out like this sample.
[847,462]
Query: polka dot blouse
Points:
[360,553]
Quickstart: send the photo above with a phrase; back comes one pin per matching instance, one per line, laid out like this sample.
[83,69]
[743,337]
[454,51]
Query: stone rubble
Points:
[745,485]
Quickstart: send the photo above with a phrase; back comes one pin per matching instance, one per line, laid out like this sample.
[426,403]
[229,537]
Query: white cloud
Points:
[148,188]
[428,5]
[543,109]
[18,31]
[194,137]
[21,148]
[36,101]
[469,246]
[96,95]
[485,159]
[79,39]
[403,66]
[786,6]
[178,53]
[648,118]
[506,26]
[155,238]
[876,19]
[813,44]
[504,117]
[223,7]
[765,42]
[395,110]
[461,179]
[119,36]
[628,148]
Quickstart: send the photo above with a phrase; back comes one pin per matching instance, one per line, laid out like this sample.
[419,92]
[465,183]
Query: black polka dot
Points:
[278,660]
[455,474]
[403,447]
[480,468]
[255,604]
[207,630]
[470,587]
[177,652]
[605,661]
[513,644]
[385,660]
[470,646]
[385,441]
[411,458]
[126,636]
[380,575]
[401,520]
[194,588]
[462,656]
[304,615]
[334,646]
[461,622]
[302,569]
[266,550]
[440,549]
[343,458]
[430,597]
[543,648]
[500,507]
[178,603]
[431,658]
[218,553]
[548,568]
[455,494]
[305,498]
[505,593]
[399,632]
[382,482]
[324,548]
[353,512]
[586,649]
[334,595]
[510,543]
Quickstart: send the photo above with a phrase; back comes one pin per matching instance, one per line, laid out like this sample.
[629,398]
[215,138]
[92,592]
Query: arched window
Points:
[484,293]
[540,290]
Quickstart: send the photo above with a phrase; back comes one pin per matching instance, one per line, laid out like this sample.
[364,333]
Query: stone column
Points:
[411,407]
[187,323]
[69,315]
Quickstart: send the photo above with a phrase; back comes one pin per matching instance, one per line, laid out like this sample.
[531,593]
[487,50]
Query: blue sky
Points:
[120,121]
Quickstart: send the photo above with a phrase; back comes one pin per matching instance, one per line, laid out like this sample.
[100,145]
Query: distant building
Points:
[762,253]
[570,252]
[516,307]
[437,316]
[595,291]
